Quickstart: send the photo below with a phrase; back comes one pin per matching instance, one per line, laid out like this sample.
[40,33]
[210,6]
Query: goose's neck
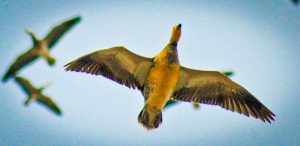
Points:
[168,55]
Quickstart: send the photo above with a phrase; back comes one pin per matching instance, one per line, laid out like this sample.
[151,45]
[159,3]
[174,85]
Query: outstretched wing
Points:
[117,64]
[49,103]
[25,85]
[20,63]
[195,104]
[58,31]
[212,87]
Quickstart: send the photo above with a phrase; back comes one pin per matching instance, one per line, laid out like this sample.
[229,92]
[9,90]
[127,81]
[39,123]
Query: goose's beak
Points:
[178,27]
[176,33]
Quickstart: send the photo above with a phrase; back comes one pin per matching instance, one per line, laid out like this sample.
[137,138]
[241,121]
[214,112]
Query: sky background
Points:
[258,40]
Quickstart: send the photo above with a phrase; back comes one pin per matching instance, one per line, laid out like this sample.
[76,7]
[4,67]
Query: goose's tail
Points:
[150,117]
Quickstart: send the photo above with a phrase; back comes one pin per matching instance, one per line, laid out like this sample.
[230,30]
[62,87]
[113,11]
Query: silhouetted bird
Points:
[36,94]
[161,79]
[40,47]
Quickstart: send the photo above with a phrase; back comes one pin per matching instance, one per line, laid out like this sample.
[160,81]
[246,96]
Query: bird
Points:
[41,47]
[35,94]
[161,79]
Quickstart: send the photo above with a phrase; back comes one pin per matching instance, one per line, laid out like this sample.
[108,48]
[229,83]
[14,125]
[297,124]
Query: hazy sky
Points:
[257,39]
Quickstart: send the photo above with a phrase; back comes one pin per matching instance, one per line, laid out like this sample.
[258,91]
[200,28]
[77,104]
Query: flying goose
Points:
[40,47]
[161,79]
[36,94]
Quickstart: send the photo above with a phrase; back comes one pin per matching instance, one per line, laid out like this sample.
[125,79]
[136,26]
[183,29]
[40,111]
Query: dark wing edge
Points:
[58,31]
[117,64]
[49,103]
[214,88]
[21,61]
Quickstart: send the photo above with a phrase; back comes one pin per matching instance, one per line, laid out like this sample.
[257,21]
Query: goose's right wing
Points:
[117,64]
[212,87]
[172,102]
[23,60]
[49,103]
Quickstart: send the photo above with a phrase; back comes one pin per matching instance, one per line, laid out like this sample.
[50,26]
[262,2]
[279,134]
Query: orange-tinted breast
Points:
[162,80]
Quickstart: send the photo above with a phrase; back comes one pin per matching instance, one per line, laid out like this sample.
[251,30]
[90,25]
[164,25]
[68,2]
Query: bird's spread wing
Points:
[25,84]
[117,64]
[211,87]
[58,31]
[47,101]
[19,63]
[172,101]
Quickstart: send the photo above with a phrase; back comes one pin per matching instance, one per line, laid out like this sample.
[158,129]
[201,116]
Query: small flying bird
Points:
[37,95]
[161,79]
[40,47]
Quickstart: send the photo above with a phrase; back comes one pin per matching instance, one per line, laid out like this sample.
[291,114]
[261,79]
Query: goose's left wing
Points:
[117,64]
[58,31]
[21,61]
[212,87]
[25,84]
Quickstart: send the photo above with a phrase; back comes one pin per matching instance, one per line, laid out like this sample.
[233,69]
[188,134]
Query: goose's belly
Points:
[162,80]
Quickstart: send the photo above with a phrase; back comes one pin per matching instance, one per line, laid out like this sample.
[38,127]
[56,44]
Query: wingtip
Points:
[76,18]
[5,78]
[228,73]
[59,113]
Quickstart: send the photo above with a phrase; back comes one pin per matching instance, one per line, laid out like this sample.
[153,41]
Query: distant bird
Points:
[161,79]
[196,105]
[36,94]
[40,47]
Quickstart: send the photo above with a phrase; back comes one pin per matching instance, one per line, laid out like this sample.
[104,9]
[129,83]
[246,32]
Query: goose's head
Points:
[176,33]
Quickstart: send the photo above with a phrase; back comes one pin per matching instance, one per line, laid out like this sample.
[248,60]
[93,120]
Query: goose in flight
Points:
[36,94]
[41,47]
[161,79]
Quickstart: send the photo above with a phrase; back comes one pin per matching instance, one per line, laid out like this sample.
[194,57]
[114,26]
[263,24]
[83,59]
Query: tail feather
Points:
[150,117]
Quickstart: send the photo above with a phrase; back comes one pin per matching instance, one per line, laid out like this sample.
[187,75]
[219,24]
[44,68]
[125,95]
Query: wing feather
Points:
[58,31]
[49,103]
[117,64]
[25,85]
[21,61]
[212,87]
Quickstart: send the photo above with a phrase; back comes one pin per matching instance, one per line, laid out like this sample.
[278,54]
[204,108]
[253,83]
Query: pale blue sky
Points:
[257,39]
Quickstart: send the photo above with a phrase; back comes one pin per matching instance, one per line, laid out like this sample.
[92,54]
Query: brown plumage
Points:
[161,79]
[37,95]
[211,87]
[40,47]
[196,105]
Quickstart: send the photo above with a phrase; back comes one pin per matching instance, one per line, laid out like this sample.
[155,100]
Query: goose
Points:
[41,47]
[161,79]
[35,94]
